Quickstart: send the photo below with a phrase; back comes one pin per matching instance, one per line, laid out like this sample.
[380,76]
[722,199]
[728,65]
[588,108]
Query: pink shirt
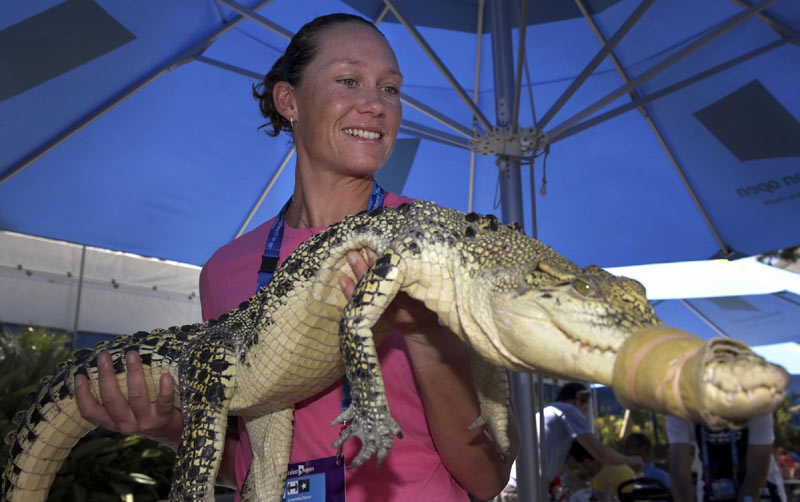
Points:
[413,470]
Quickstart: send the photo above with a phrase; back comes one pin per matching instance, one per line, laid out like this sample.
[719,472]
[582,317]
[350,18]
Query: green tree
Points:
[787,434]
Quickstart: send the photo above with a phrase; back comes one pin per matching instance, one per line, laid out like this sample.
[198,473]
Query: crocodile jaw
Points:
[531,340]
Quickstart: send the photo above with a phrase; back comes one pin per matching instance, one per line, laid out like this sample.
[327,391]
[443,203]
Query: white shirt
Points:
[562,422]
[759,432]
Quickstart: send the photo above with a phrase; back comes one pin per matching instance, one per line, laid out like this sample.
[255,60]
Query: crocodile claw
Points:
[373,426]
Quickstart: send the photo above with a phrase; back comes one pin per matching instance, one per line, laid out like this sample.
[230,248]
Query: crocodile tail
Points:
[47,432]
[52,425]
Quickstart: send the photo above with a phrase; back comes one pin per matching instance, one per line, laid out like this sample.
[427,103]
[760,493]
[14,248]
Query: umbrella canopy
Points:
[131,127]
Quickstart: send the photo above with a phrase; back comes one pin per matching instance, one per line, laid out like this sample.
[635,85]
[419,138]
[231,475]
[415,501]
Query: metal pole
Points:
[479,39]
[511,197]
[608,47]
[439,64]
[705,319]
[425,132]
[78,302]
[266,191]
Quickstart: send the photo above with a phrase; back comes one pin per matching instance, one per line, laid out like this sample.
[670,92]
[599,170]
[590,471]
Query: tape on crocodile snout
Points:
[641,355]
[671,357]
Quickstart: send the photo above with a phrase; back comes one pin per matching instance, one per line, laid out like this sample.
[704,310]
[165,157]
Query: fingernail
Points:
[130,357]
[79,382]
[351,258]
[164,384]
[371,254]
[342,282]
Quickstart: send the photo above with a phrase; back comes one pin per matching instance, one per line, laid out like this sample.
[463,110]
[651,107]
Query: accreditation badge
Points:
[319,480]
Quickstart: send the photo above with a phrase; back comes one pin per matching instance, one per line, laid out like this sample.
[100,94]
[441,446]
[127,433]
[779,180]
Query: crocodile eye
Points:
[583,287]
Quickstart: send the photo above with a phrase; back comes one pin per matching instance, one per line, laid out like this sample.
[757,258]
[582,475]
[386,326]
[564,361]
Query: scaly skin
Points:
[514,301]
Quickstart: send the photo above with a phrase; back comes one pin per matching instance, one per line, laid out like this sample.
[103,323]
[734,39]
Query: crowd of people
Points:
[697,464]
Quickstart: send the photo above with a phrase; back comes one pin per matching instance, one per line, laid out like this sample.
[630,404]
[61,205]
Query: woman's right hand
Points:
[159,420]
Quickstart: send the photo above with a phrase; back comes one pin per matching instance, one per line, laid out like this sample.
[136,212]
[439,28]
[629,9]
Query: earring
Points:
[291,121]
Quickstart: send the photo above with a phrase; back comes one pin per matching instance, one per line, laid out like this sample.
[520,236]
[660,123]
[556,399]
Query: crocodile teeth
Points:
[361,133]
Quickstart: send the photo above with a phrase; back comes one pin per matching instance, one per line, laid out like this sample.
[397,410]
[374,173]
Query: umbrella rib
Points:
[608,47]
[636,98]
[776,24]
[229,67]
[441,66]
[182,58]
[704,318]
[667,90]
[422,131]
[379,19]
[678,56]
[266,191]
[523,25]
[258,18]
[430,112]
[787,300]
[476,86]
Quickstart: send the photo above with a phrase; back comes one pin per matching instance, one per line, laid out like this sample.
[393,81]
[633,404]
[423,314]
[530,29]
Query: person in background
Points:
[660,456]
[565,421]
[731,464]
[640,444]
[605,478]
[336,93]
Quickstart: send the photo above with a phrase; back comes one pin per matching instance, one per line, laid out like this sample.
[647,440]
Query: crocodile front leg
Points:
[207,383]
[368,416]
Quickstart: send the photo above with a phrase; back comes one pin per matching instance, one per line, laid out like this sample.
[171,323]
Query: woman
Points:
[336,92]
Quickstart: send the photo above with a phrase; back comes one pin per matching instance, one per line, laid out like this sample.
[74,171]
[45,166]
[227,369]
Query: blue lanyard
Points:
[269,260]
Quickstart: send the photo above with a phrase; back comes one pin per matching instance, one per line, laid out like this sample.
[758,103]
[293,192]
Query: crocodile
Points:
[513,300]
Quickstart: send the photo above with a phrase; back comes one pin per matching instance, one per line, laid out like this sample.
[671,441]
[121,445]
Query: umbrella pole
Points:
[78,300]
[529,483]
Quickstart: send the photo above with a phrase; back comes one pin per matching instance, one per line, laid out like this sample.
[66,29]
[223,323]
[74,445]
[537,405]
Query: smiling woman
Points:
[336,92]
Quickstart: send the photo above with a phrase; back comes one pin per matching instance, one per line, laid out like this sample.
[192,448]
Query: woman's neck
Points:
[319,200]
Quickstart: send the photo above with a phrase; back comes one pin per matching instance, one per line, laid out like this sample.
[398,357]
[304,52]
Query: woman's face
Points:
[348,102]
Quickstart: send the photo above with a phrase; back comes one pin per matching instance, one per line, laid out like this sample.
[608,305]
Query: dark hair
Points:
[570,391]
[636,442]
[290,66]
[579,453]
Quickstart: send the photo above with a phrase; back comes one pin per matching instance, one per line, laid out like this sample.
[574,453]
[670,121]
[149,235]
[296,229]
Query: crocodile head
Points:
[589,324]
[571,322]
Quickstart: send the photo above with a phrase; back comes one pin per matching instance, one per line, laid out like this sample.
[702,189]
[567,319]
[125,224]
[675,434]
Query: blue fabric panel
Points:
[163,29]
[393,175]
[172,196]
[752,124]
[754,319]
[55,41]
